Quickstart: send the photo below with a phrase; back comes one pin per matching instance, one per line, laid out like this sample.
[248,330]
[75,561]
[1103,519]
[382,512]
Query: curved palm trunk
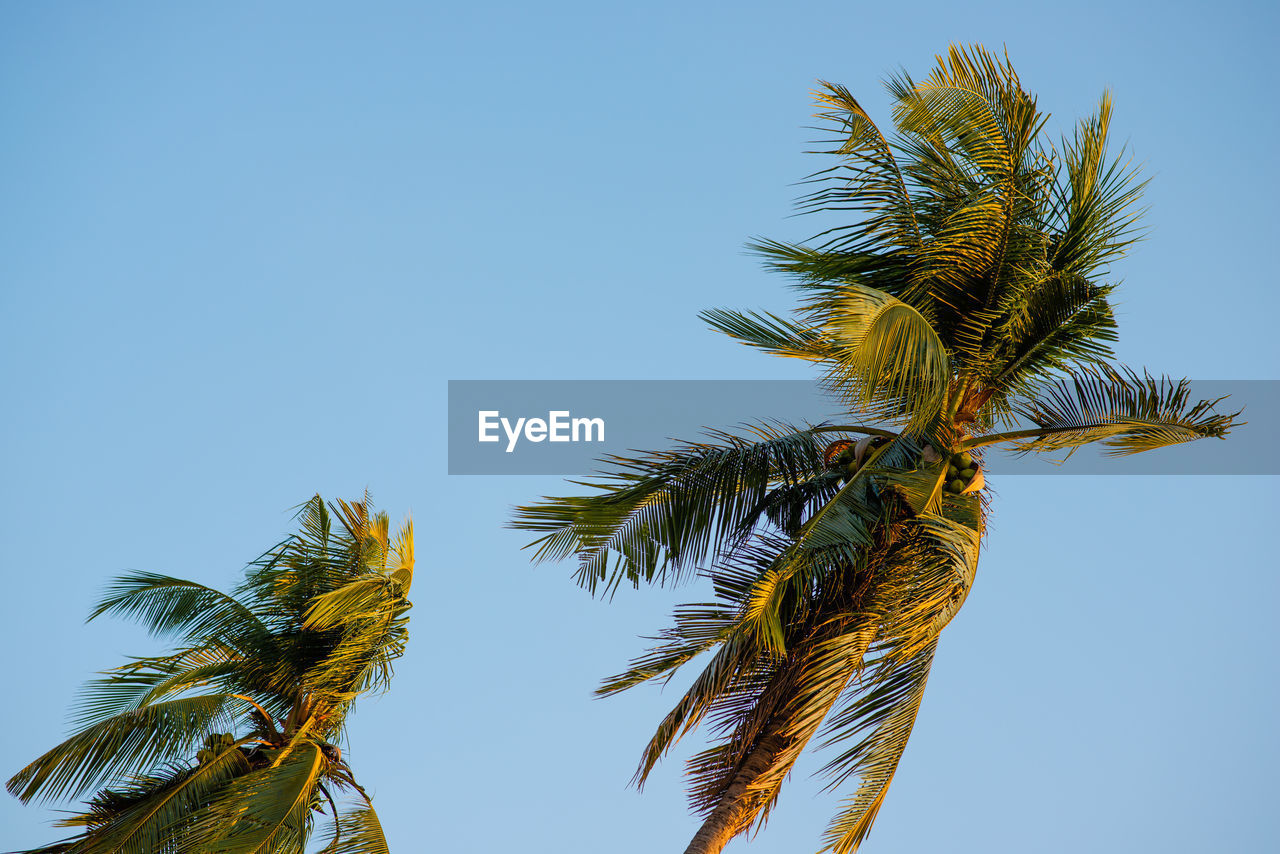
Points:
[734,813]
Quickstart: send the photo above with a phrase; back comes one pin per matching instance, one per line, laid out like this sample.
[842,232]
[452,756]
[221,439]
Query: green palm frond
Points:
[656,517]
[362,599]
[772,334]
[175,607]
[358,832]
[1126,412]
[867,181]
[119,746]
[891,361]
[130,686]
[148,814]
[267,810]
[1095,199]
[1053,324]
[886,714]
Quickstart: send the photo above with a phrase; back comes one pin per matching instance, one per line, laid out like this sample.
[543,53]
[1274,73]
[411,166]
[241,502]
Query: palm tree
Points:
[965,295]
[229,743]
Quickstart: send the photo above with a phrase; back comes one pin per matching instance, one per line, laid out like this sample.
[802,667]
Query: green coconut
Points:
[964,460]
[952,472]
[956,486]
[967,474]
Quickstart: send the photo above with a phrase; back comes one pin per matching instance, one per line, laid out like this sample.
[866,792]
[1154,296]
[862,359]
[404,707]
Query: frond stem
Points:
[844,428]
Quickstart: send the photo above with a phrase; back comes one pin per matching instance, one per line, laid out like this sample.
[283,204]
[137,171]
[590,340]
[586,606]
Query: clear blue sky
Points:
[244,246]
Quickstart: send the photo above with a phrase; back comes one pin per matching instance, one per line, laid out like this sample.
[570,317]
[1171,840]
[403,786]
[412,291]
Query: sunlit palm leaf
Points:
[1124,411]
[358,832]
[118,746]
[656,517]
[264,811]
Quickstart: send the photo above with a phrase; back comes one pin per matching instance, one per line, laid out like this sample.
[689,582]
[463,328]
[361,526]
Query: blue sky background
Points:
[243,247]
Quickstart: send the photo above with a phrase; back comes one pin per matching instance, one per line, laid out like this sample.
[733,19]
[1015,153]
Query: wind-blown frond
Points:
[772,334]
[358,832]
[867,181]
[657,516]
[891,359]
[1095,200]
[119,746]
[267,810]
[149,814]
[1126,412]
[143,680]
[886,713]
[170,606]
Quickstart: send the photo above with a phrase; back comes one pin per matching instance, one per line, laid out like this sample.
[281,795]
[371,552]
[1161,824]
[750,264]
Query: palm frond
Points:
[267,810]
[169,606]
[119,746]
[658,515]
[866,182]
[891,359]
[771,333]
[358,831]
[152,811]
[886,714]
[1126,412]
[1096,199]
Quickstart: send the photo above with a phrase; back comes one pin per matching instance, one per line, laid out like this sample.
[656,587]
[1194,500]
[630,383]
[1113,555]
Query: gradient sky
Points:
[243,246]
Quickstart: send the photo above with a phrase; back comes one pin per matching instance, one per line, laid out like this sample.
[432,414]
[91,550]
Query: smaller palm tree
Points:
[229,743]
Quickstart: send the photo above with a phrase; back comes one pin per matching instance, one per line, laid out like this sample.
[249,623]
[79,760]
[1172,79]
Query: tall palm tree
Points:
[229,743]
[965,295]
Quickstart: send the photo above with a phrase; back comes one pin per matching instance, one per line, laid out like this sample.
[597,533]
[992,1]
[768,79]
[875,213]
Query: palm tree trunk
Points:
[734,811]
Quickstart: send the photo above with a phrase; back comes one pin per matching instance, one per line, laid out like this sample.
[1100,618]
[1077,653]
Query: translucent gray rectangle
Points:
[553,426]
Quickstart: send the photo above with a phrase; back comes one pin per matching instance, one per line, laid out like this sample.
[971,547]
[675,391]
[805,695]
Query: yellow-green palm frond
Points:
[357,831]
[128,743]
[1095,212]
[658,516]
[772,334]
[266,810]
[1122,410]
[892,362]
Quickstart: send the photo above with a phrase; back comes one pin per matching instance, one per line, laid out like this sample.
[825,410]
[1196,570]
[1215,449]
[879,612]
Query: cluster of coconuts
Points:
[213,744]
[964,474]
[847,457]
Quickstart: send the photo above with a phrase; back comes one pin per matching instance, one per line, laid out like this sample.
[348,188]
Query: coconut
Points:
[976,483]
[967,474]
[838,448]
[956,486]
[964,460]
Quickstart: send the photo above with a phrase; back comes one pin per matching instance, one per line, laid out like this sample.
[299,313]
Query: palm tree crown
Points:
[229,744]
[964,295]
